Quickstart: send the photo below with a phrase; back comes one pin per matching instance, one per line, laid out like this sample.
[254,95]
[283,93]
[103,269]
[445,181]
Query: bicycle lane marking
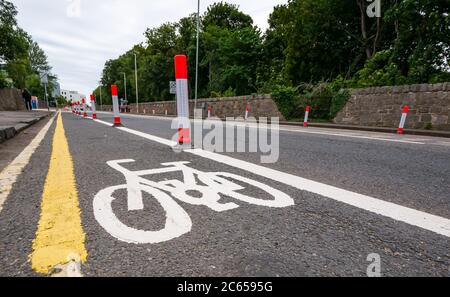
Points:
[178,221]
[59,240]
[391,210]
[9,175]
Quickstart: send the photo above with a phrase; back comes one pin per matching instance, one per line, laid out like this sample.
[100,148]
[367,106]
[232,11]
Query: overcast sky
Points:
[78,42]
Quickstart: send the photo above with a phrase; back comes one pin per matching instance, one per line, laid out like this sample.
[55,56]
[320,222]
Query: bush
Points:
[338,102]
[325,99]
[228,93]
[5,82]
[289,103]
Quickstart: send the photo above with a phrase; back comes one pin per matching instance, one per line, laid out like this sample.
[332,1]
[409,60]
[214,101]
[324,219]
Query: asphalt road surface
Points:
[333,199]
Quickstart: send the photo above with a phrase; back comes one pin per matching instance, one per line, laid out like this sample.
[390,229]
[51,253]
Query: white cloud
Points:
[78,47]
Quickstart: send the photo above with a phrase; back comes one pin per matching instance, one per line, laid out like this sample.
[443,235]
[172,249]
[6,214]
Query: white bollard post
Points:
[247,111]
[115,100]
[401,128]
[94,110]
[305,122]
[181,76]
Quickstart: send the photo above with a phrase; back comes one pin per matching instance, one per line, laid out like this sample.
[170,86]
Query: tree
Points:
[226,16]
[37,58]
[13,43]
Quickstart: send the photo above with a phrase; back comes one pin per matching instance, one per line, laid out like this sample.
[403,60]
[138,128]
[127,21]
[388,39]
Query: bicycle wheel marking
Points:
[214,187]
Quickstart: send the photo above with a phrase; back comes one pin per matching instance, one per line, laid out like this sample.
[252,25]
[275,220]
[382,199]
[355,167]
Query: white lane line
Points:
[355,136]
[149,137]
[9,175]
[300,130]
[394,211]
[349,135]
[104,123]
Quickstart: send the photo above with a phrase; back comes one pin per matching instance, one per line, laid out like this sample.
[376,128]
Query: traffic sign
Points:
[173,87]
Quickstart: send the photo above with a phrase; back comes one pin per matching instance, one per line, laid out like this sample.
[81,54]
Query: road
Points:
[340,196]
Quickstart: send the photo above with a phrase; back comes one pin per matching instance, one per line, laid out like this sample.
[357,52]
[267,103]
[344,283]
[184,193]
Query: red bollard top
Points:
[181,71]
[308,108]
[114,91]
[92,98]
[406,109]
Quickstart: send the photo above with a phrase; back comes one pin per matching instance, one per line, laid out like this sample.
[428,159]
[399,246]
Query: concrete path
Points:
[13,122]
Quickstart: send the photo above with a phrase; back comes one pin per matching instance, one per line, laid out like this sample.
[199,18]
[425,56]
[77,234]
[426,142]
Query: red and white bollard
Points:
[73,107]
[401,128]
[209,111]
[94,110]
[85,115]
[247,111]
[181,76]
[78,108]
[306,121]
[115,100]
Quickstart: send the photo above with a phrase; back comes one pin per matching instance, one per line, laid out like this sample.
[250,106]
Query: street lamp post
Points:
[137,91]
[196,54]
[46,96]
[101,103]
[125,86]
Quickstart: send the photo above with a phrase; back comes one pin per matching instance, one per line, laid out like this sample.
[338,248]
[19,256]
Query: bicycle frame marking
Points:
[215,185]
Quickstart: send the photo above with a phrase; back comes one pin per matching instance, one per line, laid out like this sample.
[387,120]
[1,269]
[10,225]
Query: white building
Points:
[72,96]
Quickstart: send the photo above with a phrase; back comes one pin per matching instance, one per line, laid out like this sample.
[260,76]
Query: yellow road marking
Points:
[60,237]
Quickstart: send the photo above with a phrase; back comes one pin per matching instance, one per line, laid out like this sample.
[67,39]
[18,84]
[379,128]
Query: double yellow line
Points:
[60,237]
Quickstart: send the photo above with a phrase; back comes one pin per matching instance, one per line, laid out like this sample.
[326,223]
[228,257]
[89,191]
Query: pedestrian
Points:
[27,98]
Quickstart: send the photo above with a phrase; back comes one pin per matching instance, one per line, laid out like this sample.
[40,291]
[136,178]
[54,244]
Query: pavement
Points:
[333,199]
[13,122]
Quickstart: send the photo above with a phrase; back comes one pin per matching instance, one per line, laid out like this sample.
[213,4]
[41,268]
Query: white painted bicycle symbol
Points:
[211,186]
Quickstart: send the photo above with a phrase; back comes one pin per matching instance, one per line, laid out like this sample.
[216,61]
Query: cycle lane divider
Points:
[58,247]
[423,220]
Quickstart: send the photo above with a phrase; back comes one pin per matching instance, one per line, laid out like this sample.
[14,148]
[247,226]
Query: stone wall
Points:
[11,100]
[260,106]
[382,107]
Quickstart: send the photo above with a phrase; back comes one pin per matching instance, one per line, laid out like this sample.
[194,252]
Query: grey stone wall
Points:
[382,107]
[260,106]
[11,100]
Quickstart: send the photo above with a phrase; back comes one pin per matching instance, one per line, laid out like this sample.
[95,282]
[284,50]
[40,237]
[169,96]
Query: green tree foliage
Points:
[21,58]
[312,51]
[13,42]
[229,56]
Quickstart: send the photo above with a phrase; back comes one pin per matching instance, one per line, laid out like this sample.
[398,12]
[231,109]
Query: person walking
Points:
[27,98]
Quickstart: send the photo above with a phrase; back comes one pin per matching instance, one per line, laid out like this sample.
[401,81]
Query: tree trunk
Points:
[362,9]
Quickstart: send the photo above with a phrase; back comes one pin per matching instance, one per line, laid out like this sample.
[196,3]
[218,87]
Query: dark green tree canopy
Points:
[308,41]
